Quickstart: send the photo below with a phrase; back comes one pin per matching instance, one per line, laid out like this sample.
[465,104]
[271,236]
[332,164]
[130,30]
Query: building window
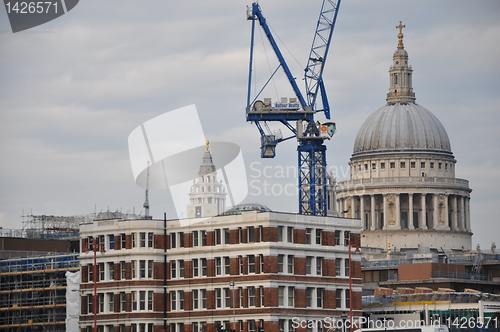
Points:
[289,234]
[291,291]
[440,165]
[111,239]
[150,269]
[309,297]
[318,236]
[134,300]
[240,293]
[366,167]
[123,301]
[382,165]
[309,264]
[422,164]
[240,235]
[227,298]
[338,298]
[374,166]
[181,299]
[142,239]
[261,260]
[280,263]
[281,296]
[150,240]
[173,240]
[123,270]
[195,267]
[402,164]
[445,166]
[251,234]
[432,165]
[203,295]
[338,267]
[173,300]
[262,303]
[150,300]
[142,269]
[319,266]
[195,299]
[226,236]
[142,300]
[134,240]
[204,267]
[195,239]
[412,164]
[218,298]
[346,272]
[218,266]
[251,296]
[227,266]
[392,164]
[280,233]
[111,270]
[251,263]
[173,269]
[337,238]
[181,268]
[218,236]
[123,241]
[347,299]
[203,238]
[240,264]
[308,235]
[134,269]
[102,273]
[251,325]
[111,302]
[181,239]
[347,237]
[319,298]
[290,264]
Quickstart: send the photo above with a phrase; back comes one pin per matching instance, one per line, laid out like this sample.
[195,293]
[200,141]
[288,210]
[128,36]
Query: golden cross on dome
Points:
[400,27]
[208,146]
[400,35]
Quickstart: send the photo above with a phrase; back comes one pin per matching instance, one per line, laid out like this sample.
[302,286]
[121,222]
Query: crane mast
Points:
[310,134]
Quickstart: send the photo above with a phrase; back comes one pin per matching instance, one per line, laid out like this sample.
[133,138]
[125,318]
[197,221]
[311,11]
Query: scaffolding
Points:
[33,292]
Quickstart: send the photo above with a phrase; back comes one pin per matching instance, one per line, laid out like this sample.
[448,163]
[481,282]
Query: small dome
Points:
[402,127]
[238,209]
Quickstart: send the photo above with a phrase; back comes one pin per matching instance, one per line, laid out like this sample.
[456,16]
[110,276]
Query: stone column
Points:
[461,213]
[385,210]
[410,211]
[454,213]
[435,211]
[398,212]
[362,212]
[423,218]
[353,206]
[373,213]
[446,212]
[467,214]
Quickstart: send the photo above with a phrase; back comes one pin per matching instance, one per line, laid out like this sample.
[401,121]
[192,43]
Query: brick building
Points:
[244,271]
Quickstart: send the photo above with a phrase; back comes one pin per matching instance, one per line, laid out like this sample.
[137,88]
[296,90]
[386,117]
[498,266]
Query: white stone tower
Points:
[208,195]
[403,185]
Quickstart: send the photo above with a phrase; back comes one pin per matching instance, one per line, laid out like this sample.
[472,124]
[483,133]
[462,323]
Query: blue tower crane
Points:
[310,134]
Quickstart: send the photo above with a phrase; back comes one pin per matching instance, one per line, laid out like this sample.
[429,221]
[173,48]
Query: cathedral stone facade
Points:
[403,185]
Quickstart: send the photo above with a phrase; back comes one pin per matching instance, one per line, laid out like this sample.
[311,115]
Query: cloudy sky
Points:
[72,90]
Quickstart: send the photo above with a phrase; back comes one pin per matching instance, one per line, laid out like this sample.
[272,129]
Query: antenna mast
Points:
[146,202]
